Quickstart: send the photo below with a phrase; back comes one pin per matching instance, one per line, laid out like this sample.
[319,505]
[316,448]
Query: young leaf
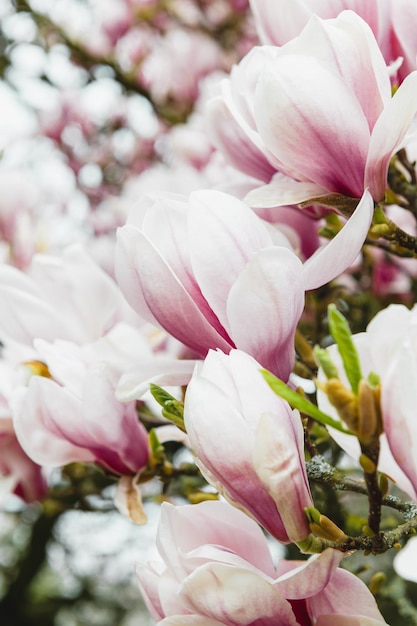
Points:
[302,404]
[340,331]
[172,408]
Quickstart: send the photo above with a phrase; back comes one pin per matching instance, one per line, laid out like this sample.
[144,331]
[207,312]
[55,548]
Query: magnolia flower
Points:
[388,348]
[393,24]
[278,21]
[248,442]
[216,276]
[315,116]
[67,297]
[72,414]
[215,569]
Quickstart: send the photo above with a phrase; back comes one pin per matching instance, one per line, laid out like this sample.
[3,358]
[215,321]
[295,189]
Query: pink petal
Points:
[278,21]
[234,143]
[264,307]
[228,458]
[90,295]
[347,46]
[223,233]
[345,594]
[148,580]
[278,463]
[311,577]
[214,524]
[126,271]
[235,596]
[41,414]
[347,620]
[326,139]
[150,286]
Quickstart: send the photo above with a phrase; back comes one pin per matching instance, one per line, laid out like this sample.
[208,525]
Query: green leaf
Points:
[158,451]
[340,331]
[172,409]
[323,358]
[302,404]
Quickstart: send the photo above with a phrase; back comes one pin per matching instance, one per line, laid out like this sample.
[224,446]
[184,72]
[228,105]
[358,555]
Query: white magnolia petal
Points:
[283,190]
[236,596]
[333,258]
[160,371]
[389,134]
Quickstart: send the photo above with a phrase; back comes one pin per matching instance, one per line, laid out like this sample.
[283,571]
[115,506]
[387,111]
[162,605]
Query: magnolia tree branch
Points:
[319,470]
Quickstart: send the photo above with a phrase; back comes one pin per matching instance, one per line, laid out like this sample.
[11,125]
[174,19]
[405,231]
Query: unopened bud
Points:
[376,582]
[367,464]
[383,484]
[323,527]
[369,412]
[367,530]
[344,401]
[327,529]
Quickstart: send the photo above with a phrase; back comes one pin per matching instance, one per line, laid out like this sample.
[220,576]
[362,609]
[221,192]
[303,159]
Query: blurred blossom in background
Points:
[94,96]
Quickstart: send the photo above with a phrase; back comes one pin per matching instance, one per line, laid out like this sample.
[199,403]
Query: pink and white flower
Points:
[388,348]
[278,21]
[74,415]
[248,443]
[216,276]
[215,569]
[315,116]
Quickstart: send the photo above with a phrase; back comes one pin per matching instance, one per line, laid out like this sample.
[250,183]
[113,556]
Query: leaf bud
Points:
[344,401]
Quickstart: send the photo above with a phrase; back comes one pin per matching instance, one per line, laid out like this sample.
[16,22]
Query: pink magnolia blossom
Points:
[68,322]
[315,116]
[248,442]
[393,23]
[278,21]
[215,569]
[215,276]
[75,416]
